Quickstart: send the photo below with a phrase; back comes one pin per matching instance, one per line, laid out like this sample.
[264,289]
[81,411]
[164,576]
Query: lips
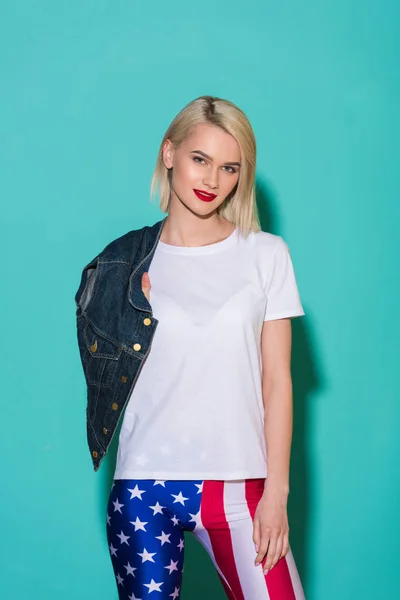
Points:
[205,196]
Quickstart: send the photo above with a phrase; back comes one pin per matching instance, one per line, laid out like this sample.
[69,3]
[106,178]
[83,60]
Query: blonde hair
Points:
[240,206]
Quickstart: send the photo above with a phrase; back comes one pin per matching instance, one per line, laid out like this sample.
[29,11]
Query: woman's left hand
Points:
[271,528]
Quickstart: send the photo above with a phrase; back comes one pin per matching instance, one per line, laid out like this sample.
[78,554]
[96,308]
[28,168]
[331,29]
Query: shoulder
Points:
[265,244]
[269,253]
[125,247]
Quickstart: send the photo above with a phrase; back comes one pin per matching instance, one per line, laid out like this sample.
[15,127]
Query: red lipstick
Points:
[205,196]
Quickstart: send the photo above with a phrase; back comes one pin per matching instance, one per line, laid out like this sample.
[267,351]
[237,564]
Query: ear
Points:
[168,153]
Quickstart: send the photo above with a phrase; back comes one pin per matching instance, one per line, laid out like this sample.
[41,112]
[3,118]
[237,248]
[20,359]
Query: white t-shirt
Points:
[196,410]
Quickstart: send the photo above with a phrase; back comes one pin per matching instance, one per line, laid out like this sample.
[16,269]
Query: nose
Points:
[211,178]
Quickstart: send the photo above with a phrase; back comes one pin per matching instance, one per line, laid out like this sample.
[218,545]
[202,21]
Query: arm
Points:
[276,343]
[271,528]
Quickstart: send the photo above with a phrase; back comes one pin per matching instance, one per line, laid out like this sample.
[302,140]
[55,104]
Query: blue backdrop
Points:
[87,90]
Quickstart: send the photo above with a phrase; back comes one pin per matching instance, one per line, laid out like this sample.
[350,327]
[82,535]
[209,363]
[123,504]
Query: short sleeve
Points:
[283,299]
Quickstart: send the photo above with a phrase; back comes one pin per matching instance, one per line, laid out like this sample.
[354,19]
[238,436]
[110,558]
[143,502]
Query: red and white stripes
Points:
[225,529]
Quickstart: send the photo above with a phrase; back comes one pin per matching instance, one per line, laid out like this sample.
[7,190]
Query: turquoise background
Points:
[87,91]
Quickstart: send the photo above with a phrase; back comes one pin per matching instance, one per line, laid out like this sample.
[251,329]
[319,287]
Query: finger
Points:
[270,554]
[256,534]
[146,286]
[278,551]
[285,545]
[263,547]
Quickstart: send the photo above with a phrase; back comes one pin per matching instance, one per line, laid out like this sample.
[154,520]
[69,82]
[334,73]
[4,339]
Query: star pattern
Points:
[124,538]
[138,524]
[130,570]
[175,594]
[195,518]
[136,492]
[147,555]
[164,537]
[154,586]
[157,508]
[180,498]
[146,520]
[117,506]
[172,566]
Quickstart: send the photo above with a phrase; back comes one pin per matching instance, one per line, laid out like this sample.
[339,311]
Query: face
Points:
[205,168]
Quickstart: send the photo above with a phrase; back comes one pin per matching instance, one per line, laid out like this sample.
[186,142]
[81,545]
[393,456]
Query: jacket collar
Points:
[146,251]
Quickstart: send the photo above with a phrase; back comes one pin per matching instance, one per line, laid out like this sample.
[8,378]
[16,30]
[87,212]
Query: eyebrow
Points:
[209,157]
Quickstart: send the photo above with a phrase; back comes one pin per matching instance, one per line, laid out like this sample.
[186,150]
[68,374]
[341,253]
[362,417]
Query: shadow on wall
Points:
[307,379]
[200,578]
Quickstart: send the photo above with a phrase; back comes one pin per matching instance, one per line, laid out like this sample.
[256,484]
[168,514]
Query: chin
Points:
[202,211]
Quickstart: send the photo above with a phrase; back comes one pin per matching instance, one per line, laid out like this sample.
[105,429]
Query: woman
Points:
[212,406]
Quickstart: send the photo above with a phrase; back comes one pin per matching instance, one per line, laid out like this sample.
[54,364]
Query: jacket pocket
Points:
[99,356]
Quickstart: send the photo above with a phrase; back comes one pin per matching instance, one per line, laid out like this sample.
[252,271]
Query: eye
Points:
[198,159]
[232,169]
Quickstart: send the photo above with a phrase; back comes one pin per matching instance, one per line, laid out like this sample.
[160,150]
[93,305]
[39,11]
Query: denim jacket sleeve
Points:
[86,286]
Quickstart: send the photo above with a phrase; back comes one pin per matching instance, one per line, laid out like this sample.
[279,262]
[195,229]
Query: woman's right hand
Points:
[146,285]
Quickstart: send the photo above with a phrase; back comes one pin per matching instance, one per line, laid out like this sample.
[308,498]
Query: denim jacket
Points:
[115,328]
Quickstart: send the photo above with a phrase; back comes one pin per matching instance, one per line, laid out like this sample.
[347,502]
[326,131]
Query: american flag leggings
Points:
[146,519]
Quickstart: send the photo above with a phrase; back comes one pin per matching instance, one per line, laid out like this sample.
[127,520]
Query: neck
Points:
[184,228]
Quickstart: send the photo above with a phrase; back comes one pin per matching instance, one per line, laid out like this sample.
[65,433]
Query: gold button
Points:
[93,347]
[124,379]
[94,454]
[105,431]
[114,406]
[136,346]
[147,322]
